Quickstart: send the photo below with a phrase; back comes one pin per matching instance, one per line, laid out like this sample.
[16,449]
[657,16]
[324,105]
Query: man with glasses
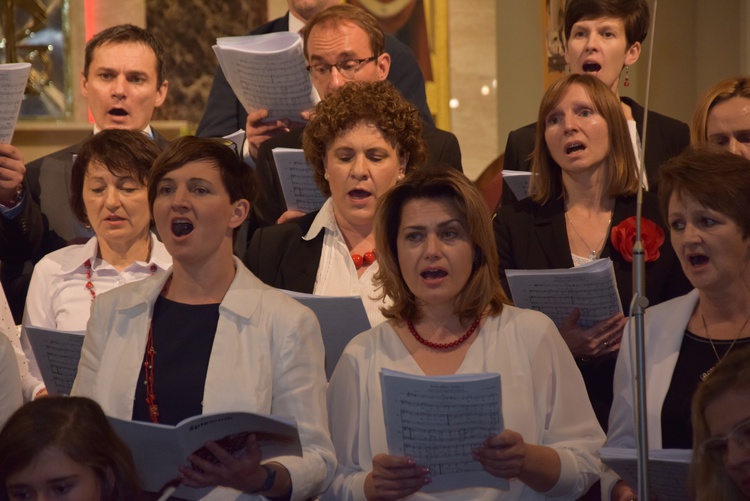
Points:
[225,114]
[343,43]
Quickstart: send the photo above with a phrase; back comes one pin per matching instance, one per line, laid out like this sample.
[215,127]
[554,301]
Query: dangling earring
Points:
[627,76]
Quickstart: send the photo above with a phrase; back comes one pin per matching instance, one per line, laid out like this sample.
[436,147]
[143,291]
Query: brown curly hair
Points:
[375,103]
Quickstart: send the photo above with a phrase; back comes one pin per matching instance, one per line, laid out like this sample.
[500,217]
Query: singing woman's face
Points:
[52,475]
[728,125]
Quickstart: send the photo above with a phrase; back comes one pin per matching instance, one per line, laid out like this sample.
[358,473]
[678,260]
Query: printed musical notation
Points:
[57,353]
[13,78]
[268,71]
[438,421]
[301,193]
[591,288]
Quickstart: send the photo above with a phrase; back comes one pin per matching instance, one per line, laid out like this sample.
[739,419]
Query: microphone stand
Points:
[640,301]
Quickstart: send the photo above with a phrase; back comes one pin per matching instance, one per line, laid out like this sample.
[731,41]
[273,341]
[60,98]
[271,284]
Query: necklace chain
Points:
[592,251]
[443,346]
[719,359]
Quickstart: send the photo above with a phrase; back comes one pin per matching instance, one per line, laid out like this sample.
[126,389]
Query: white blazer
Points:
[267,357]
[665,326]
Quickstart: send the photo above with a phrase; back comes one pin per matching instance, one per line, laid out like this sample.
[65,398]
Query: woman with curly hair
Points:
[361,141]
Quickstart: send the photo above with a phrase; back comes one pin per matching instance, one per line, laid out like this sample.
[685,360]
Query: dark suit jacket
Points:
[47,207]
[667,138]
[533,236]
[281,258]
[224,114]
[442,150]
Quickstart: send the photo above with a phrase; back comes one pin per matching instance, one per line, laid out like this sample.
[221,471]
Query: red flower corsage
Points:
[623,238]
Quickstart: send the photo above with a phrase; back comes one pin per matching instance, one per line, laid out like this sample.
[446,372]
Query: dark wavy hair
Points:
[483,293]
[122,152]
[77,427]
[374,103]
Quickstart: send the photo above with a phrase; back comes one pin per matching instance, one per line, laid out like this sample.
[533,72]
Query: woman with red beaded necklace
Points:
[449,315]
[108,194]
[362,140]
[209,337]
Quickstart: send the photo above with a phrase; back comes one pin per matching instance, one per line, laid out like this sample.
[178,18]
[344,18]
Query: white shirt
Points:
[58,297]
[337,275]
[544,399]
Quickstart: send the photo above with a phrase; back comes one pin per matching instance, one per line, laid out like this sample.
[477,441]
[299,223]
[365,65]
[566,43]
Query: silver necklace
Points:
[592,251]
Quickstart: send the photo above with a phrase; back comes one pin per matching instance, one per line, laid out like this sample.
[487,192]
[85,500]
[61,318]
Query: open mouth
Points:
[118,112]
[433,274]
[114,218]
[359,194]
[591,67]
[180,228]
[697,259]
[573,147]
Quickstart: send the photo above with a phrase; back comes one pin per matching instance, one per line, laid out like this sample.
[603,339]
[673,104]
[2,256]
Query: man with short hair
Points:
[342,43]
[225,114]
[123,82]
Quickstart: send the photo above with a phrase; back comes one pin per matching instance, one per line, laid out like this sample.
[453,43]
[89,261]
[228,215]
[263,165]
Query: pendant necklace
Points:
[719,359]
[592,250]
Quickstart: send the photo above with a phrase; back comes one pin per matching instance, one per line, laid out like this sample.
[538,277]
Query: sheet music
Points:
[268,71]
[159,449]
[296,178]
[439,420]
[13,78]
[591,288]
[518,182]
[341,318]
[57,354]
[668,470]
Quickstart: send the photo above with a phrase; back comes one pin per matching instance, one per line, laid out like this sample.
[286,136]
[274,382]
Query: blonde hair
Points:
[708,479]
[722,91]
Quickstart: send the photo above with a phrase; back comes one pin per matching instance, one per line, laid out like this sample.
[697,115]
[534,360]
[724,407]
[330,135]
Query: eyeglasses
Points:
[740,435]
[347,68]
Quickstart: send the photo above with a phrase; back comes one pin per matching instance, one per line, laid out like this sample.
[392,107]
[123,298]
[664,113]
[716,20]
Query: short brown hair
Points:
[634,15]
[126,33]
[77,427]
[708,479]
[236,176]
[375,103]
[714,177]
[546,180]
[122,152]
[348,14]
[483,293]
[722,91]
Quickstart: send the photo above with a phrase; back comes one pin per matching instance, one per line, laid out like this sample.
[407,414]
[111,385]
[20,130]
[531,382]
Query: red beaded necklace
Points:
[148,365]
[443,346]
[365,260]
[90,284]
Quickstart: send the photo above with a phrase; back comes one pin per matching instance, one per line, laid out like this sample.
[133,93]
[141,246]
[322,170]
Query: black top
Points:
[183,338]
[696,357]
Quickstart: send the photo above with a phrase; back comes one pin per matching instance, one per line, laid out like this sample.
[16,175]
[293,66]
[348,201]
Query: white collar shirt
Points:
[337,275]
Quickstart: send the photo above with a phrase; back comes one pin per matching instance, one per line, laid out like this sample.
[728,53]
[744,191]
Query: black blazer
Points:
[224,114]
[442,150]
[533,236]
[281,258]
[46,222]
[667,138]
